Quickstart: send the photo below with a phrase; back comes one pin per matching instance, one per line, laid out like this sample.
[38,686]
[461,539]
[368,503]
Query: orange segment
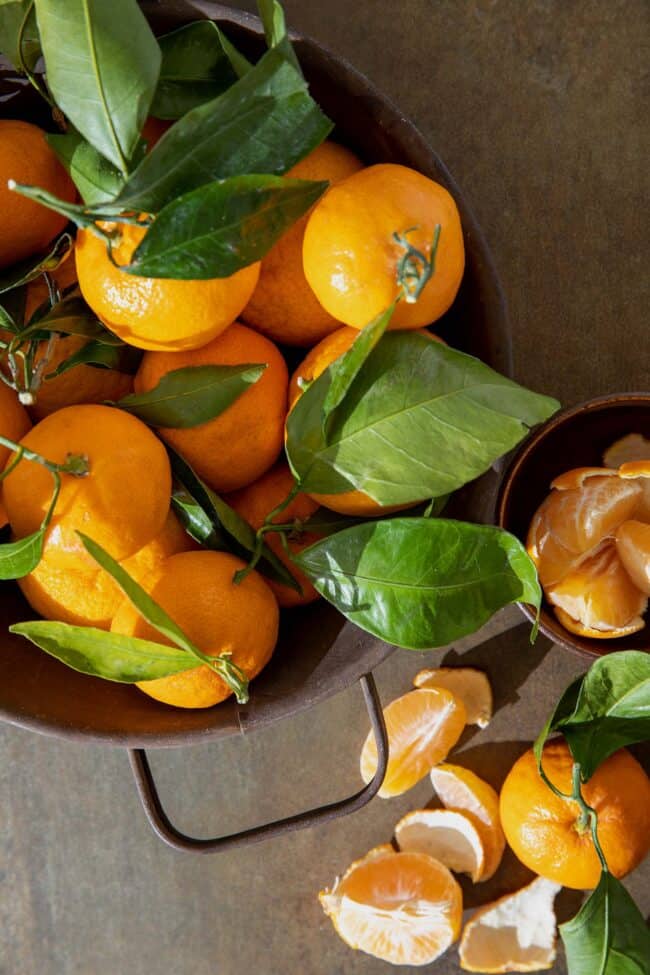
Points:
[573,520]
[577,477]
[460,789]
[423,726]
[633,547]
[632,447]
[449,836]
[404,908]
[574,626]
[515,933]
[471,686]
[599,594]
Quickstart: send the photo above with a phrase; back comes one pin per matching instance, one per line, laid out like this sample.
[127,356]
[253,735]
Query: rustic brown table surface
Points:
[538,110]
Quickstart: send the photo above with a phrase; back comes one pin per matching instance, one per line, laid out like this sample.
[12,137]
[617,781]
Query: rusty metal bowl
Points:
[319,653]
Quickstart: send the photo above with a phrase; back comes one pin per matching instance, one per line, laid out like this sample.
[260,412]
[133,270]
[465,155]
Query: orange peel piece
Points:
[423,726]
[470,685]
[515,933]
[404,908]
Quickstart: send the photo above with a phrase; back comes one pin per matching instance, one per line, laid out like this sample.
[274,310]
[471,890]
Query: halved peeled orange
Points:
[405,908]
[462,790]
[470,685]
[599,596]
[423,726]
[449,836]
[513,934]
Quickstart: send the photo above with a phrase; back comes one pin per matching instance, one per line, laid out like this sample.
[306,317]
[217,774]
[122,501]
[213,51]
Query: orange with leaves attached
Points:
[361,230]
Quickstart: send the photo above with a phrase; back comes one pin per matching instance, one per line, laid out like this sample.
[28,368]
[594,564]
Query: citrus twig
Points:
[588,815]
[268,526]
[414,268]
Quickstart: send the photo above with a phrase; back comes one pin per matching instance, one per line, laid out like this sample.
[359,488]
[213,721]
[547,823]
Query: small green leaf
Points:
[345,369]
[418,421]
[31,268]
[420,582]
[608,936]
[196,522]
[102,62]
[156,616]
[72,316]
[12,14]
[231,532]
[195,69]
[612,709]
[272,17]
[222,227]
[95,177]
[18,559]
[122,358]
[193,395]
[265,123]
[126,659]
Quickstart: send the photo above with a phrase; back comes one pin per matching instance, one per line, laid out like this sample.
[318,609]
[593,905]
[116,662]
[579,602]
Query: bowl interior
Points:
[318,653]
[575,438]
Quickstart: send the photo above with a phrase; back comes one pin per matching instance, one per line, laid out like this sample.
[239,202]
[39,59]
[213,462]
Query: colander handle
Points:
[169,834]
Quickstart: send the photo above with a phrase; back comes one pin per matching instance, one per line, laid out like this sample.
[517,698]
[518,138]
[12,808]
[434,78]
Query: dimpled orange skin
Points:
[353,503]
[25,156]
[157,313]
[123,501]
[236,447]
[283,306]
[197,590]
[541,828]
[14,424]
[255,502]
[87,596]
[350,257]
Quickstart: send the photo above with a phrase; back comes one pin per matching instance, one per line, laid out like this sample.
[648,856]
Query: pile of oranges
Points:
[326,278]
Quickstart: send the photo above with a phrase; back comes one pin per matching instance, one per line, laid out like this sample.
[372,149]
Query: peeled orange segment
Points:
[448,836]
[574,626]
[423,726]
[574,520]
[575,478]
[471,686]
[513,934]
[404,908]
[632,447]
[599,594]
[633,547]
[463,791]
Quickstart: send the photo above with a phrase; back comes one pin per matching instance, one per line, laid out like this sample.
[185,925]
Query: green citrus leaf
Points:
[102,62]
[12,14]
[230,532]
[419,420]
[72,316]
[31,268]
[191,396]
[420,582]
[122,358]
[194,69]
[95,177]
[18,559]
[126,659]
[608,936]
[220,228]
[265,123]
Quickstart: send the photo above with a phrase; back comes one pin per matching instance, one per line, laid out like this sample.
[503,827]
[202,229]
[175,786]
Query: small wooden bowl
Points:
[577,437]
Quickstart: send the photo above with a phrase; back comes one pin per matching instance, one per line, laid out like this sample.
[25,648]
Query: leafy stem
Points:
[268,526]
[588,815]
[414,268]
[74,464]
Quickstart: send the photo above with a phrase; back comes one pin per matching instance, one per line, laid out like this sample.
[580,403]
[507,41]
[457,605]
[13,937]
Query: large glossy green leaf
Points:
[94,176]
[12,15]
[102,63]
[122,358]
[220,228]
[421,582]
[29,269]
[264,123]
[419,421]
[191,396]
[229,530]
[611,710]
[126,659]
[18,559]
[194,69]
[608,936]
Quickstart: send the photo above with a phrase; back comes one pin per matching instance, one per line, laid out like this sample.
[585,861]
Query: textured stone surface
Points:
[537,110]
